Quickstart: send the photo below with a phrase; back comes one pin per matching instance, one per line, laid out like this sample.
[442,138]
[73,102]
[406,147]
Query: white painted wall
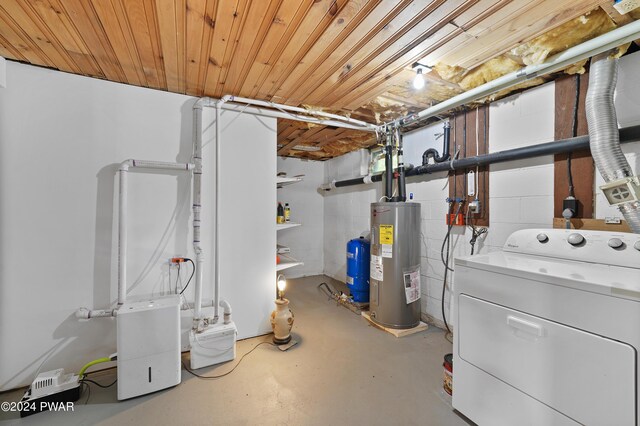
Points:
[521,193]
[61,139]
[307,208]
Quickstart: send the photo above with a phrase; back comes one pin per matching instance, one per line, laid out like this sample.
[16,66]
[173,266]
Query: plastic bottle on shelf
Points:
[280,216]
[287,212]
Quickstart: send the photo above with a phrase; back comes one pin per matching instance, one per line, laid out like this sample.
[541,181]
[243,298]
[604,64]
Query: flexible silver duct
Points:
[604,138]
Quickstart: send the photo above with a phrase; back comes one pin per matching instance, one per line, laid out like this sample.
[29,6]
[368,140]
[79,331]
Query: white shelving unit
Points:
[286,261]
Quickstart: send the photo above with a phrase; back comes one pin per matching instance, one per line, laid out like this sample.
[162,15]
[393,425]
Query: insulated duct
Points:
[622,188]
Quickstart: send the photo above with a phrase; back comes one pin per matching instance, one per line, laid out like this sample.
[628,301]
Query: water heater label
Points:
[386,234]
[412,284]
[387,250]
[376,269]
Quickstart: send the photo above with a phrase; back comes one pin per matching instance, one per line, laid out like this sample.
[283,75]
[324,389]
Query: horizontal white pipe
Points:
[160,165]
[281,107]
[570,56]
[292,116]
[84,313]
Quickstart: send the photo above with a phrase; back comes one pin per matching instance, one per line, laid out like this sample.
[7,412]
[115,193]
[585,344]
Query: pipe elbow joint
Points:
[82,313]
[226,311]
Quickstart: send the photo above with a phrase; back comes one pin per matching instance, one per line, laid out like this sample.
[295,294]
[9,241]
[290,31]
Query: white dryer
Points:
[547,331]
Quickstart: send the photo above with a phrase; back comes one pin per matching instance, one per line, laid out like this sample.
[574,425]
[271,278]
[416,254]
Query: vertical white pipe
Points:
[197,182]
[122,234]
[216,300]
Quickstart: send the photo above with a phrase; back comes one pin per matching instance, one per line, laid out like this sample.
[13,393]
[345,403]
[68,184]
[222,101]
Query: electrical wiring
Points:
[447,241]
[574,133]
[100,385]
[475,231]
[200,376]
[193,270]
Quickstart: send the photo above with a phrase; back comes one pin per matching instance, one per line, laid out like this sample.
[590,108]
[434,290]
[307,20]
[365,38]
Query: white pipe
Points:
[226,310]
[238,99]
[160,165]
[84,313]
[557,62]
[122,233]
[217,210]
[197,182]
[291,116]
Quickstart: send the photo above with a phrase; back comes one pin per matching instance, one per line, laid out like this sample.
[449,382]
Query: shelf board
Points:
[281,226]
[283,181]
[286,265]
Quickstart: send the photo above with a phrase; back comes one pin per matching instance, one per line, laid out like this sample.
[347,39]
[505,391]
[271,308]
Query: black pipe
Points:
[388,171]
[628,134]
[402,187]
[357,181]
[433,153]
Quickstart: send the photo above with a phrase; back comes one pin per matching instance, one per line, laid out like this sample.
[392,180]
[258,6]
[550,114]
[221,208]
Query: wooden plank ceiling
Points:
[350,56]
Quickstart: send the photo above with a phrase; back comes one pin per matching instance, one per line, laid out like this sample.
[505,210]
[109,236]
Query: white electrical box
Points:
[213,345]
[148,346]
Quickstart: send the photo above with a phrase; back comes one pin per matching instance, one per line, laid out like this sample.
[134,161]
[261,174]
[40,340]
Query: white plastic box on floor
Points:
[148,346]
[214,345]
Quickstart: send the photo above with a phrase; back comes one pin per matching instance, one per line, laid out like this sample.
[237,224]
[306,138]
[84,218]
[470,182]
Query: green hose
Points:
[94,362]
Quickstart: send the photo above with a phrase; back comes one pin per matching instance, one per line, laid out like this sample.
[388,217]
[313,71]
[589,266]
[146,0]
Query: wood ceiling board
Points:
[199,29]
[286,20]
[87,24]
[516,29]
[352,26]
[171,23]
[259,18]
[51,16]
[314,23]
[225,18]
[302,138]
[18,39]
[109,21]
[368,62]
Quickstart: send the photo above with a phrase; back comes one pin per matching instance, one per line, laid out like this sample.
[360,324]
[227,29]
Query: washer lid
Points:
[609,280]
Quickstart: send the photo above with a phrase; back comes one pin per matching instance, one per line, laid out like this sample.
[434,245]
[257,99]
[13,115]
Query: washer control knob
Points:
[575,239]
[615,243]
[543,238]
[637,245]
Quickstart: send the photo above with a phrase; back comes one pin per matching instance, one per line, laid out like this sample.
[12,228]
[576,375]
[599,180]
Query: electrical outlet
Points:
[626,6]
[474,206]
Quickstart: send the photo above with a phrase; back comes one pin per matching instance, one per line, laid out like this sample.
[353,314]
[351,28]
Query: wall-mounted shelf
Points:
[283,181]
[286,263]
[281,226]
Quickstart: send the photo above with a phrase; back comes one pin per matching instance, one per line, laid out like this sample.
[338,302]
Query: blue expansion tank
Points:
[358,254]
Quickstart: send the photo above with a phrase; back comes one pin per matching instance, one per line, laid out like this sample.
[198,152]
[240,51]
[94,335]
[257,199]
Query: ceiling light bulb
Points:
[418,81]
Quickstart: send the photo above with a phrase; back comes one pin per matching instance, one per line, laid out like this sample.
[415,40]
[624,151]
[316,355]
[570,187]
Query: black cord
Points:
[447,268]
[574,133]
[193,271]
[230,371]
[99,384]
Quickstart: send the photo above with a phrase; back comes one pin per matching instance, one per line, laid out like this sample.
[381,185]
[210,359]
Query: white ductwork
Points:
[622,187]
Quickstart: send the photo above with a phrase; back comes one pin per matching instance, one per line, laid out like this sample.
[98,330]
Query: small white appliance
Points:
[148,346]
[547,331]
[213,345]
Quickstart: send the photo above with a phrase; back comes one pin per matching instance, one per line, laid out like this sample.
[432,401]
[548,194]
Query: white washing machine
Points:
[547,331]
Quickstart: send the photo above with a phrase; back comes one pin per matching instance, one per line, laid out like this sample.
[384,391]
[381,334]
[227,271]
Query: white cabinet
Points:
[282,251]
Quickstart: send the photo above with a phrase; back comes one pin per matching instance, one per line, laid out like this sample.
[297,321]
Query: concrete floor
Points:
[343,372]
